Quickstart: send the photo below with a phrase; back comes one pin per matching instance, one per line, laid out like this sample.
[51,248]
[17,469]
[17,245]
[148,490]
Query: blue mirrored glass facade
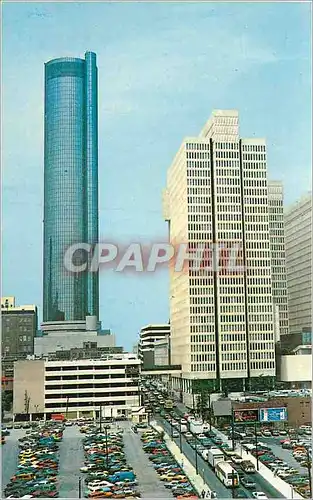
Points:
[70,185]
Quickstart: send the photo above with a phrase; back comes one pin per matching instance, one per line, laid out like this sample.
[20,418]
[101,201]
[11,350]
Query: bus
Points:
[227,474]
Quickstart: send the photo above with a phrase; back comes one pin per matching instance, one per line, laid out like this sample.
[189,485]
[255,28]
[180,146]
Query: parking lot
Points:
[150,485]
[10,455]
[283,454]
[71,459]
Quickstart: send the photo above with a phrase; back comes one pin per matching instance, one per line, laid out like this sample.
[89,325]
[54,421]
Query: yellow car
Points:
[171,476]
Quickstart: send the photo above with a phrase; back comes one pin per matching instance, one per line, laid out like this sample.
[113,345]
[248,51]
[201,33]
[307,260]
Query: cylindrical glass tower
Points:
[70,184]
[91,78]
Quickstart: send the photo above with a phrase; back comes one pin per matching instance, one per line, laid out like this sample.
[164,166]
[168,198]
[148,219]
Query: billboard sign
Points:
[222,408]
[246,416]
[273,414]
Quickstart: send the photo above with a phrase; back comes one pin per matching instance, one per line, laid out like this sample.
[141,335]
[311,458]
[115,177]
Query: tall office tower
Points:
[221,322]
[298,228]
[278,255]
[70,185]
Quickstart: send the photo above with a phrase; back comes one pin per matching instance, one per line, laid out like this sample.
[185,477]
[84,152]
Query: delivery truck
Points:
[215,455]
[196,426]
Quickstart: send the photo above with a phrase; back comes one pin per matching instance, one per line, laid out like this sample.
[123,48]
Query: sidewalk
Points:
[188,468]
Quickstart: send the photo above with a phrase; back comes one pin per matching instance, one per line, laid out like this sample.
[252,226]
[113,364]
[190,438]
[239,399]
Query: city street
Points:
[71,459]
[150,485]
[10,455]
[210,477]
[206,472]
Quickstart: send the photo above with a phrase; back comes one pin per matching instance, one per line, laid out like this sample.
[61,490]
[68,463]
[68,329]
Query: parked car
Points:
[266,433]
[170,472]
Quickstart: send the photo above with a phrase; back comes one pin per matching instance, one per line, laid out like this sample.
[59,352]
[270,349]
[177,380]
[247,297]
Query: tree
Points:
[203,389]
[26,402]
[6,402]
[202,403]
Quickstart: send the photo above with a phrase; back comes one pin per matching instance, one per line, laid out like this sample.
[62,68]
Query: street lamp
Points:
[106,428]
[79,487]
[180,438]
[210,413]
[149,415]
[309,465]
[233,430]
[256,445]
[100,417]
[233,476]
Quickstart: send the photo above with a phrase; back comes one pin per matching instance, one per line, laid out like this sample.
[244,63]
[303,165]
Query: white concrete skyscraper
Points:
[278,254]
[221,323]
[298,227]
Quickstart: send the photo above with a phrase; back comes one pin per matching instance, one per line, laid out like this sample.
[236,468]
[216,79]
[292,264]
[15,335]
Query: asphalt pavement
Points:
[10,455]
[209,475]
[71,455]
[150,486]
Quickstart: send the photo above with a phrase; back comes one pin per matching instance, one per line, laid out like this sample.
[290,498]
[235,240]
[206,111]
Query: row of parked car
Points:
[38,463]
[107,473]
[301,450]
[170,472]
[281,469]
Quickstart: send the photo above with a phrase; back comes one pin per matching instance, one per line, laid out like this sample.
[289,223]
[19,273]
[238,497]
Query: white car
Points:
[237,459]
[201,436]
[188,435]
[283,474]
[96,485]
[267,433]
[95,474]
[183,421]
[175,434]
[259,495]
[86,468]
